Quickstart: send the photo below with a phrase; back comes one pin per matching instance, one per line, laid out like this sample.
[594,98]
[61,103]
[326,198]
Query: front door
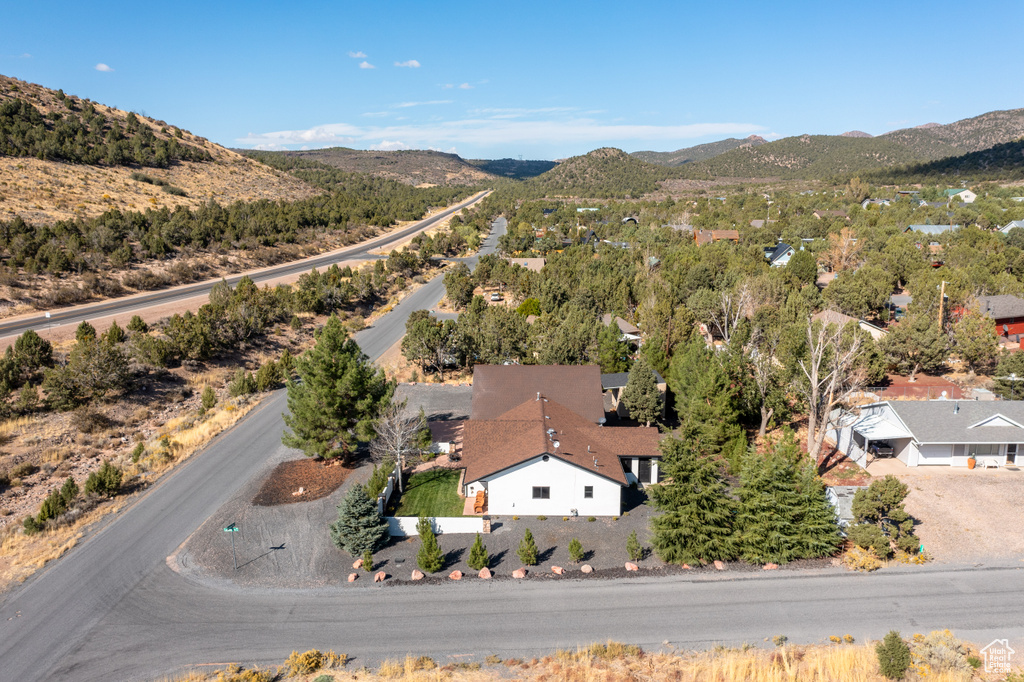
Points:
[1011,453]
[644,470]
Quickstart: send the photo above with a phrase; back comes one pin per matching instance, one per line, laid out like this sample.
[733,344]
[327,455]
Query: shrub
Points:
[208,398]
[296,322]
[32,525]
[106,481]
[893,656]
[367,561]
[311,661]
[429,558]
[591,518]
[85,332]
[941,652]
[542,518]
[243,384]
[268,376]
[115,334]
[24,469]
[869,536]
[780,640]
[379,478]
[528,549]
[478,558]
[137,324]
[633,548]
[576,552]
[138,451]
[859,559]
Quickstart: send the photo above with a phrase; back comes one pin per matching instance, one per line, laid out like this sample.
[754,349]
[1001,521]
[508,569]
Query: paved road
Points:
[141,301]
[112,609]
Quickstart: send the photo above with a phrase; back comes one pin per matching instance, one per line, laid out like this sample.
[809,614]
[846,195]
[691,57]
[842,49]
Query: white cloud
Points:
[366,65]
[377,114]
[357,55]
[411,64]
[406,105]
[389,146]
[465,86]
[486,132]
[103,67]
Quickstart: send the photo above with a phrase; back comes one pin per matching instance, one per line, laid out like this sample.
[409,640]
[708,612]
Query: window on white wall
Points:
[588,492]
[983,450]
[541,493]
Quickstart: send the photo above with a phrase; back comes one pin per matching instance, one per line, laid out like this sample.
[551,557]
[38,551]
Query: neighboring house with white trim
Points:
[965,195]
[779,254]
[545,457]
[838,318]
[1005,229]
[937,432]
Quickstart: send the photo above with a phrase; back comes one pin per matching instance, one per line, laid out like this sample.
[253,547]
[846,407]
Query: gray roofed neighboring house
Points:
[614,384]
[836,317]
[629,331]
[1002,306]
[1010,225]
[875,202]
[931,229]
[938,432]
[779,254]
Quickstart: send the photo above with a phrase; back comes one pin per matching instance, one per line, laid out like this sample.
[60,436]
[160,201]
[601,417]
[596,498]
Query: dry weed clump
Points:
[313,661]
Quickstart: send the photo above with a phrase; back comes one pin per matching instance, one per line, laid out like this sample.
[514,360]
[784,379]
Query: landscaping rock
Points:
[380,577]
[455,575]
[352,577]
[417,574]
[630,566]
[770,567]
[519,573]
[719,565]
[358,563]
[586,568]
[557,570]
[687,567]
[485,573]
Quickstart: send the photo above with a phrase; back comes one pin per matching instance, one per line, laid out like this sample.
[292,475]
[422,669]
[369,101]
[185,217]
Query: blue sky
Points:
[541,80]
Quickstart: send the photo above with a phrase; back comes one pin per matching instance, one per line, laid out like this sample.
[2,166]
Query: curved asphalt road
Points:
[134,303]
[112,609]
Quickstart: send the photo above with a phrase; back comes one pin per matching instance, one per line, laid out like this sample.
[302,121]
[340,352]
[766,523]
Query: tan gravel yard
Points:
[968,516]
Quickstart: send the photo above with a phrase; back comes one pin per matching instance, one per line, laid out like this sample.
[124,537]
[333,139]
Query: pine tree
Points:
[576,552]
[893,656]
[478,558]
[819,528]
[367,561]
[695,525]
[359,527]
[707,402]
[641,396]
[612,352]
[633,548]
[338,397]
[429,558]
[768,511]
[528,549]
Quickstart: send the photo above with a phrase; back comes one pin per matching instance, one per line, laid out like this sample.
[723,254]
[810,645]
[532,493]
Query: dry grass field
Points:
[837,661]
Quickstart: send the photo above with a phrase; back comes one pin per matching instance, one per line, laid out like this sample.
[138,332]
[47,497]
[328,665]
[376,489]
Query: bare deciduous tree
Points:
[831,372]
[398,435]
[843,252]
[733,307]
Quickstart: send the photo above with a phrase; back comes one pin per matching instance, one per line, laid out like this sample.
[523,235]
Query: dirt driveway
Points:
[968,516]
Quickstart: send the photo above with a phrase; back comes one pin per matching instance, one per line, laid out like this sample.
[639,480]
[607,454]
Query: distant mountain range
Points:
[699,152]
[419,167]
[825,156]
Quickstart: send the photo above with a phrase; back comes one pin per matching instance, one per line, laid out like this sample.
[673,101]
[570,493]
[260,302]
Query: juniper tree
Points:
[338,397]
[893,656]
[115,334]
[360,527]
[208,398]
[85,332]
[429,558]
[137,324]
[641,396]
[105,481]
[633,548]
[881,505]
[576,552]
[695,524]
[528,549]
[478,557]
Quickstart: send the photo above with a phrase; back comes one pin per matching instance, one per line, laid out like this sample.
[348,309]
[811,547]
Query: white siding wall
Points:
[403,526]
[511,491]
[936,454]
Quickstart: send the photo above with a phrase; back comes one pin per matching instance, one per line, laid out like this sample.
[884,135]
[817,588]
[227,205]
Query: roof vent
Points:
[595,462]
[556,444]
[538,395]
[956,407]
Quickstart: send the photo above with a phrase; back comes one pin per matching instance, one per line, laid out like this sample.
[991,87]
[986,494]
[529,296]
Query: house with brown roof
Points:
[536,443]
[708,236]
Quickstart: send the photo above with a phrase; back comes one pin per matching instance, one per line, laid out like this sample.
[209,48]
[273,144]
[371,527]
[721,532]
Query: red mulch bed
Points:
[317,478]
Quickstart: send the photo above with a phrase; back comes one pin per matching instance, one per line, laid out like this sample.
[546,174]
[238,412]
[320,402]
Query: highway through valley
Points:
[112,609]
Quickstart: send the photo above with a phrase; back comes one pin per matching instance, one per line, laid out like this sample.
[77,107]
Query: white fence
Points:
[382,499]
[404,526]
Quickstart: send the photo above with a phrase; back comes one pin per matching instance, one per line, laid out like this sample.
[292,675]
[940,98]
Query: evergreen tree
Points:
[975,341]
[576,552]
[359,527]
[818,525]
[641,396]
[367,561]
[708,401]
[893,656]
[695,525]
[338,397]
[633,548]
[915,344]
[527,549]
[85,332]
[429,558]
[881,505]
[137,324]
[115,334]
[612,351]
[478,557]
[458,284]
[32,353]
[1009,376]
[208,398]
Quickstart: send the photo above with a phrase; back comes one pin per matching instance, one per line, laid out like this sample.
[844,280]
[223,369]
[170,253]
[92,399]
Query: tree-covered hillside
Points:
[698,152]
[602,174]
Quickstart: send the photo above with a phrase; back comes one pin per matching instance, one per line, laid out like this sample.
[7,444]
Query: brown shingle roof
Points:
[493,445]
[499,388]
[708,236]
